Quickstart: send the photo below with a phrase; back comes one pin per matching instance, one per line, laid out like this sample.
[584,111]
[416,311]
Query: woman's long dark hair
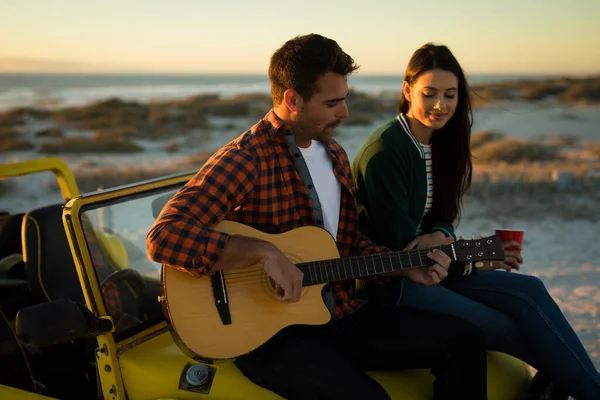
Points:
[450,145]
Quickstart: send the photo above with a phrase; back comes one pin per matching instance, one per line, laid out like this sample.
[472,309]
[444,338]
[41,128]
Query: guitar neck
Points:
[338,269]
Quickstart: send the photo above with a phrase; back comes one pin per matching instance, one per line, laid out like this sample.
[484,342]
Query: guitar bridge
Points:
[220,295]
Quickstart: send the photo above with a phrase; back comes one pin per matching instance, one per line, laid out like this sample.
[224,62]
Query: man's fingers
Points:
[434,276]
[287,295]
[441,272]
[297,289]
[279,292]
[440,258]
[298,284]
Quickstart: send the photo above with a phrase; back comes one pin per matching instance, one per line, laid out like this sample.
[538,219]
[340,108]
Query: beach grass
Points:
[96,145]
[515,150]
[6,187]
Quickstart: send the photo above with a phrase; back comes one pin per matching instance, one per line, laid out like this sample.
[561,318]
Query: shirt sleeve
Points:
[446,229]
[386,185]
[182,236]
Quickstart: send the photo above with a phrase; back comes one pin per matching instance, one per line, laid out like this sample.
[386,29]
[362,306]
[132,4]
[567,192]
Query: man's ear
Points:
[292,100]
[406,90]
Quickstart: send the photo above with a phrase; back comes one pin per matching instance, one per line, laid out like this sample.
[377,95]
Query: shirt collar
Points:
[277,124]
[406,127]
[280,128]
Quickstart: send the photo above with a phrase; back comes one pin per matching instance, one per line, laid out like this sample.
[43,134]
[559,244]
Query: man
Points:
[286,172]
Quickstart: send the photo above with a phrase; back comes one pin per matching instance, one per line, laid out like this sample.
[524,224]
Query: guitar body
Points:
[235,311]
[256,314]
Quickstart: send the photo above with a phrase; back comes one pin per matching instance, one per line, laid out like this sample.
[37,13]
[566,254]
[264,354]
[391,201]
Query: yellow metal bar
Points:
[107,359]
[64,176]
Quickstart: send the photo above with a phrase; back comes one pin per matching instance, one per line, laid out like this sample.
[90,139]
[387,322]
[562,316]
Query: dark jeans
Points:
[519,317]
[328,362]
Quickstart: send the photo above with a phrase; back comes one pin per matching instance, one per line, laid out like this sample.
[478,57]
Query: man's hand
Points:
[431,274]
[241,251]
[512,259]
[285,274]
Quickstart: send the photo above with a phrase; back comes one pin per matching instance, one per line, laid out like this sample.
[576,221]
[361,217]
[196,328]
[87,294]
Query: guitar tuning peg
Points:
[462,237]
[473,237]
[483,235]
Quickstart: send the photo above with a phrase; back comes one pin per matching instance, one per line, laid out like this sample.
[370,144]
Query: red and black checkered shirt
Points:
[253,180]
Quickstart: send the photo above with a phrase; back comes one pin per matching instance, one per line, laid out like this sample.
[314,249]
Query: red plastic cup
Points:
[511,234]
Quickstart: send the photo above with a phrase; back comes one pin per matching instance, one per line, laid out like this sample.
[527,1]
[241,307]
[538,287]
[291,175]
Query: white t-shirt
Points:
[328,188]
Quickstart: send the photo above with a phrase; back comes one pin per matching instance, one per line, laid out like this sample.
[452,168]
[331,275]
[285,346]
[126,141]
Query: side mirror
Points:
[56,322]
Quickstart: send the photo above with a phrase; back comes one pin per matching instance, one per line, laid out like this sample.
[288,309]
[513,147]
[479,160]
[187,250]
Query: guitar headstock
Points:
[484,248]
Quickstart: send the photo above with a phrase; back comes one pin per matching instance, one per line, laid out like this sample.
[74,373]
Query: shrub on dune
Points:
[595,150]
[512,150]
[16,145]
[561,140]
[480,138]
[6,187]
[585,92]
[95,145]
[90,179]
[9,141]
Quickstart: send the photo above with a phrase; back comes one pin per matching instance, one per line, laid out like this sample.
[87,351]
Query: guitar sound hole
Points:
[273,284]
[269,286]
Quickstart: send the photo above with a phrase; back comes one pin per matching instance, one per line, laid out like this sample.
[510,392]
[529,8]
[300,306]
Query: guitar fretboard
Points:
[355,267]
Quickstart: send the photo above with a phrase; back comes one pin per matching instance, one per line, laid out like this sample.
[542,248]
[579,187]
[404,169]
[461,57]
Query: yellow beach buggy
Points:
[64,335]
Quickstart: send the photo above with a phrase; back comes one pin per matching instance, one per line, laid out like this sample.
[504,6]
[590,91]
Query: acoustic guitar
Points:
[234,311]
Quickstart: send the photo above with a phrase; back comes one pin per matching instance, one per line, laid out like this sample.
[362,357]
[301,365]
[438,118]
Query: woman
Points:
[411,174]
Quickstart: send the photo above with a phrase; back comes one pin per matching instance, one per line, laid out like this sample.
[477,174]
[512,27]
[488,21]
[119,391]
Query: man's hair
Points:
[301,61]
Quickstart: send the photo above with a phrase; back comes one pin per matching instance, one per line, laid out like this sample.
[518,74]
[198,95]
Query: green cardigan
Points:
[391,181]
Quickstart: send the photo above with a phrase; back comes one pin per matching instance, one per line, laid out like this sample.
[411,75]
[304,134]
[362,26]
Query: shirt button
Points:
[319,222]
[296,155]
[309,186]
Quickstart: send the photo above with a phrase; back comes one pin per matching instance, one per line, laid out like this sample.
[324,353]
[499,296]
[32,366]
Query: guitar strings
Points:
[237,281]
[247,278]
[401,257]
[253,274]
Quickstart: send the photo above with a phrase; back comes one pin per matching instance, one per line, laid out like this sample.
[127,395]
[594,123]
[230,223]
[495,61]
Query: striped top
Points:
[428,169]
[425,152]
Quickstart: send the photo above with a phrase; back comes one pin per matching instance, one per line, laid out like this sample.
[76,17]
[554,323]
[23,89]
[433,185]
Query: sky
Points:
[239,36]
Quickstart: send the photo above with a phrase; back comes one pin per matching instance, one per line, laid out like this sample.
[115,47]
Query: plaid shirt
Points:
[253,180]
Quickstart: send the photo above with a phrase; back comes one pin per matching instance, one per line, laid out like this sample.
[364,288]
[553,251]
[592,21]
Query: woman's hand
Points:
[512,258]
[428,240]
